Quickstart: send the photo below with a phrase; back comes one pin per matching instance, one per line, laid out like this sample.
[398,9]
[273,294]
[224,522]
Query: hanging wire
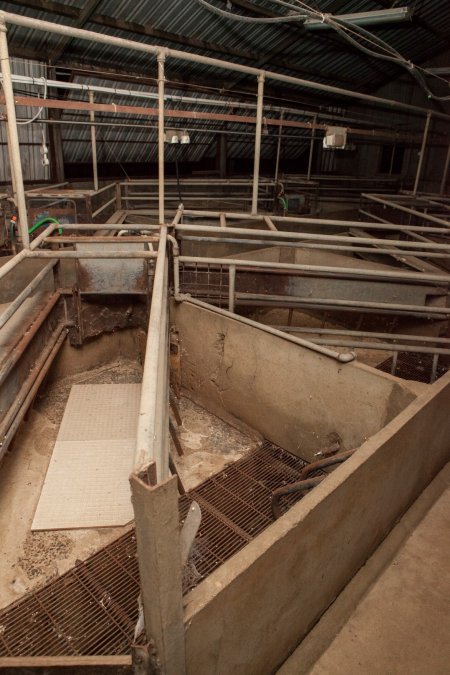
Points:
[351,32]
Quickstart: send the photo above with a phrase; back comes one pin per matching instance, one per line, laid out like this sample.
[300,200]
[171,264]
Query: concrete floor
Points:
[401,624]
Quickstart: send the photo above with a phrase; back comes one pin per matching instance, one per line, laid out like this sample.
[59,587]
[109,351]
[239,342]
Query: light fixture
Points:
[174,138]
[395,15]
[185,138]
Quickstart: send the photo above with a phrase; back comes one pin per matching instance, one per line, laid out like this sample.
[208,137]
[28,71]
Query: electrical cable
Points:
[345,29]
[35,117]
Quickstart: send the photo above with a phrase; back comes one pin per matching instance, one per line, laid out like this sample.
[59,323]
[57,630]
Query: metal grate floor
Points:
[92,609]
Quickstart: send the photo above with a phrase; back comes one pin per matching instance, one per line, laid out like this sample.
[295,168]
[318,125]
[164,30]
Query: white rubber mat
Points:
[87,480]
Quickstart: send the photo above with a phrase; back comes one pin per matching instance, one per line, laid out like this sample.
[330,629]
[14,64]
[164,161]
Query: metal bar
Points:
[380,346]
[71,661]
[434,368]
[27,291]
[81,34]
[231,287]
[334,304]
[28,390]
[258,129]
[325,221]
[149,445]
[422,153]
[99,239]
[325,269]
[400,207]
[333,246]
[311,149]
[41,253]
[343,357]
[445,172]
[16,352]
[161,60]
[364,334]
[104,206]
[278,155]
[93,142]
[13,144]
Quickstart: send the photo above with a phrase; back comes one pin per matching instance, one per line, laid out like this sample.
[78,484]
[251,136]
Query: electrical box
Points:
[335,138]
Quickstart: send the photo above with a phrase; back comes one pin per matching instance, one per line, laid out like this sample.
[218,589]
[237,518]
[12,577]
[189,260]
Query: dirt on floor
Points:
[209,444]
[30,559]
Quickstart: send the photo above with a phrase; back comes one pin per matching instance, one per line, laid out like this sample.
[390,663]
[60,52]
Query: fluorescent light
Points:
[380,16]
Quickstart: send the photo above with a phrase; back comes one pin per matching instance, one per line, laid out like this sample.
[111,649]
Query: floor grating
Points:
[92,609]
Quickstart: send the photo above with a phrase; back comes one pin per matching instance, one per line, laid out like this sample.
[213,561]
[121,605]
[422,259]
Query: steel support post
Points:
[422,153]
[93,142]
[161,60]
[259,115]
[278,155]
[311,147]
[445,174]
[13,145]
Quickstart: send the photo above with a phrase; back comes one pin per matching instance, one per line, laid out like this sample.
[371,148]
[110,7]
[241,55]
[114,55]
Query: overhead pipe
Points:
[161,60]
[93,141]
[82,34]
[258,130]
[422,153]
[13,137]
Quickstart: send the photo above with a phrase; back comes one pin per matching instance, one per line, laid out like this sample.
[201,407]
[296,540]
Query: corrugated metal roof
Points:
[279,47]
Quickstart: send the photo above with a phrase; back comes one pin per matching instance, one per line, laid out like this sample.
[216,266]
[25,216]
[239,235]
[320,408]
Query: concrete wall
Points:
[293,396]
[248,615]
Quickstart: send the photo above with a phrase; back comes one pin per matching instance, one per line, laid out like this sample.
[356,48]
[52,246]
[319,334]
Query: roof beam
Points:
[85,13]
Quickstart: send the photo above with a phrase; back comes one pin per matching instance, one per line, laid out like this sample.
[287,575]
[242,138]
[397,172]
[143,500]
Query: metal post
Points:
[311,148]
[277,160]
[231,287]
[422,152]
[159,555]
[259,114]
[445,174]
[94,142]
[13,146]
[161,60]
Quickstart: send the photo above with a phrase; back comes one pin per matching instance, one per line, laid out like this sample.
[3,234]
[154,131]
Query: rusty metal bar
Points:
[27,291]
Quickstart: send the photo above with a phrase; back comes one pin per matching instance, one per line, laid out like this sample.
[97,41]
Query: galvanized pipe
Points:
[27,291]
[262,299]
[258,130]
[326,221]
[311,149]
[92,255]
[365,334]
[13,144]
[342,358]
[422,153]
[445,173]
[29,388]
[93,142]
[82,34]
[231,287]
[325,269]
[405,209]
[149,443]
[278,155]
[399,246]
[161,81]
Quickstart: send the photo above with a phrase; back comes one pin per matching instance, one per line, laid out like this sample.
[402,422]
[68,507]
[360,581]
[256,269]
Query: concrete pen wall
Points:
[291,395]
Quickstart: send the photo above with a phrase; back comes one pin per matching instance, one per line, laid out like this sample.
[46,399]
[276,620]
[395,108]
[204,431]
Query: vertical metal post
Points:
[259,115]
[391,165]
[278,155]
[93,142]
[156,517]
[422,153]
[161,61]
[231,287]
[13,146]
[445,174]
[311,148]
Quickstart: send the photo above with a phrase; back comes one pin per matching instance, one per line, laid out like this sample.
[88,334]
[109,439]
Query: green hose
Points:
[42,221]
